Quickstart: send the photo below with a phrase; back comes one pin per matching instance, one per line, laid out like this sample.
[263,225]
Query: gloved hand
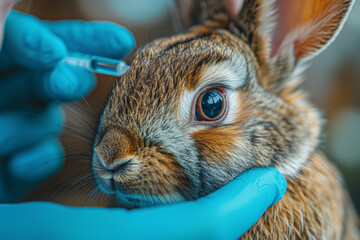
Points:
[33,83]
[225,214]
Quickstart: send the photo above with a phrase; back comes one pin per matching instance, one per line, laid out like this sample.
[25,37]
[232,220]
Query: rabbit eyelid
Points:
[230,75]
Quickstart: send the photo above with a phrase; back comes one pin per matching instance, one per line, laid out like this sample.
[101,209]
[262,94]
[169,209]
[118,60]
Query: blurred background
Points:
[333,76]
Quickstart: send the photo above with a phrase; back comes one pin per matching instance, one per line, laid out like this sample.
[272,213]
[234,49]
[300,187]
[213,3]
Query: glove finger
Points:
[248,195]
[30,167]
[64,83]
[29,43]
[97,38]
[38,162]
[261,181]
[20,129]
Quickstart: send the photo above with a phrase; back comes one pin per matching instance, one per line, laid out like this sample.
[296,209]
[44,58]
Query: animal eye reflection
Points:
[210,105]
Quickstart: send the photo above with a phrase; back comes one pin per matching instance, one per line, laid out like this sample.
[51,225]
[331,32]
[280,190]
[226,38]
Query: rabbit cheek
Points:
[280,134]
[220,158]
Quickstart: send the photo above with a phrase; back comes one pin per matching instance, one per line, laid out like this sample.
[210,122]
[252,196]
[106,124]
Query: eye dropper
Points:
[96,64]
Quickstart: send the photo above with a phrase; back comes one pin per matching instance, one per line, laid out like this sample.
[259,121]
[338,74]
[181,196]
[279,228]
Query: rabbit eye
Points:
[210,105]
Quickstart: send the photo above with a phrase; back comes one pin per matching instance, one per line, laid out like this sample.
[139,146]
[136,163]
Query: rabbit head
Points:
[198,108]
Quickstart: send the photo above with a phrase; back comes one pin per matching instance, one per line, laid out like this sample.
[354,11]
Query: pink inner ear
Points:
[233,7]
[288,15]
[293,14]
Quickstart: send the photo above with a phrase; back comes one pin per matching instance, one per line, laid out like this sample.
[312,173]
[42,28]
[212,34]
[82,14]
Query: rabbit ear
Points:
[308,26]
[304,28]
[251,20]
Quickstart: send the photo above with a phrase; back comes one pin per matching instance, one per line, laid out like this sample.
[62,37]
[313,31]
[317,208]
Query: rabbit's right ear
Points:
[311,27]
[302,29]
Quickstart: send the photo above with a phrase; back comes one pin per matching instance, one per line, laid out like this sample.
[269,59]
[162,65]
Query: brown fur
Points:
[315,206]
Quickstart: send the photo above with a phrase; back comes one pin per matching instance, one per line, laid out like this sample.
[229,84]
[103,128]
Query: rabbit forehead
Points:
[191,50]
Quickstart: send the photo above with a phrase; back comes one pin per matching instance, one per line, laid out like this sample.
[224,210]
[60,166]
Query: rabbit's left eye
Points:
[210,105]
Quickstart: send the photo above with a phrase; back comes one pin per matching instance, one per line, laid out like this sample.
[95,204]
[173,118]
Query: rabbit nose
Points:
[113,146]
[125,170]
[121,167]
[104,155]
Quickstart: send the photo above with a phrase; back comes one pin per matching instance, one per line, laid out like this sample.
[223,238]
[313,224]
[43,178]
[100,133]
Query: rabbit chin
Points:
[133,200]
[130,200]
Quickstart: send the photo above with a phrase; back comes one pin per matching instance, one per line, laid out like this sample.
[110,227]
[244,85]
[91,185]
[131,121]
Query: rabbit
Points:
[199,108]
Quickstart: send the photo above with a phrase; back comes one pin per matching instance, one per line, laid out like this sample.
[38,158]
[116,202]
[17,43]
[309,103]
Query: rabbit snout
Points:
[140,171]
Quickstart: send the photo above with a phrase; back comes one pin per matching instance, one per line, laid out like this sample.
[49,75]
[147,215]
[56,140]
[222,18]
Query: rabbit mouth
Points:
[136,200]
[136,197]
[132,189]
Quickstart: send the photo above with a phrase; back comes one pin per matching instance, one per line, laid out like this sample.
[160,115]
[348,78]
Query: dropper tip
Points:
[122,68]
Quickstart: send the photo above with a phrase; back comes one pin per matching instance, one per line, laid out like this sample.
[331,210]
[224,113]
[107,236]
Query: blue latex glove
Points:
[33,83]
[225,214]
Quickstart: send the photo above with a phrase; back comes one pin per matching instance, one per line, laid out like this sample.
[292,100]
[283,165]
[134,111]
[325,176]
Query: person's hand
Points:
[225,214]
[33,83]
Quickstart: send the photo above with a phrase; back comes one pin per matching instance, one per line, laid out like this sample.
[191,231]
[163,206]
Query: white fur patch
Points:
[295,162]
[186,103]
[231,74]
